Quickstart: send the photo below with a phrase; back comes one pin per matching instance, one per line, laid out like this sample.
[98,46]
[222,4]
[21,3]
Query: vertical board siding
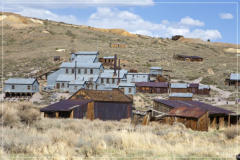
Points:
[111,111]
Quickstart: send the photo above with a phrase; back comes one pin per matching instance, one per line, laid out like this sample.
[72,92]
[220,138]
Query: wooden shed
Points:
[69,109]
[233,80]
[181,96]
[152,87]
[107,104]
[188,58]
[217,117]
[195,118]
[179,88]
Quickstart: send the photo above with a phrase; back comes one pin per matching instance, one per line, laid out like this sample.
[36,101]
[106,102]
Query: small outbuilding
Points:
[154,71]
[20,87]
[181,96]
[152,87]
[233,80]
[195,118]
[179,87]
[107,104]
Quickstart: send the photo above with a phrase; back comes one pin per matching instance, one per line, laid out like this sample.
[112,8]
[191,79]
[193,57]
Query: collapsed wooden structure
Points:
[217,117]
[188,58]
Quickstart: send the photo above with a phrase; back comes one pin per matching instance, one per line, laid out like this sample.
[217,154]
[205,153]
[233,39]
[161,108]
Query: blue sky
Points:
[216,20]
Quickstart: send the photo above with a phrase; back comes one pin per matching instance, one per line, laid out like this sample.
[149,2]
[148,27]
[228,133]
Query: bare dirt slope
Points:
[30,44]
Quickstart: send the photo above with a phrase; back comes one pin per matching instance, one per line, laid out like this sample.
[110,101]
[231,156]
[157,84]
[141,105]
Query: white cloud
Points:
[106,17]
[114,18]
[45,14]
[191,22]
[226,16]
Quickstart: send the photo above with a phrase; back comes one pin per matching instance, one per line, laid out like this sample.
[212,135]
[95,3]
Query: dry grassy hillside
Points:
[30,44]
[28,136]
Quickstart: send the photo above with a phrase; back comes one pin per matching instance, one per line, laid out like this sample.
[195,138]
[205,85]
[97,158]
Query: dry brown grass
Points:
[91,139]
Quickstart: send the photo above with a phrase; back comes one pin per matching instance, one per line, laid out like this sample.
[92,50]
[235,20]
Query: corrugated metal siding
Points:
[112,111]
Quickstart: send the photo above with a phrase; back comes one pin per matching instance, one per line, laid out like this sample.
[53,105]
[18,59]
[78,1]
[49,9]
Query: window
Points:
[129,90]
[72,71]
[62,85]
[85,70]
[91,71]
[75,87]
[107,80]
[79,71]
[102,80]
[28,87]
[113,80]
[66,70]
[13,87]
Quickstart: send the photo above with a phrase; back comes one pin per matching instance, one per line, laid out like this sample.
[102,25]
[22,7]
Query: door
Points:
[58,85]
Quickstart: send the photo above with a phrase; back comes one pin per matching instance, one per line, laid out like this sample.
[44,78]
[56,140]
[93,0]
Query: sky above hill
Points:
[216,20]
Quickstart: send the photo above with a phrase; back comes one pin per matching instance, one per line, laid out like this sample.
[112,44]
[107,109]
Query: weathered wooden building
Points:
[155,71]
[107,104]
[117,45]
[188,58]
[217,117]
[69,109]
[107,61]
[176,37]
[197,88]
[233,80]
[192,117]
[20,87]
[181,96]
[179,88]
[152,87]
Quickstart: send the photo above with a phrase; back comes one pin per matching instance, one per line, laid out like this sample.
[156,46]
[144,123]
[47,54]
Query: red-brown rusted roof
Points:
[193,85]
[179,103]
[190,112]
[152,84]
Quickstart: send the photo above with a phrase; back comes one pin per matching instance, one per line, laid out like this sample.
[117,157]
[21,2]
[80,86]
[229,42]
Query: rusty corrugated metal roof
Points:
[152,84]
[208,107]
[185,111]
[64,105]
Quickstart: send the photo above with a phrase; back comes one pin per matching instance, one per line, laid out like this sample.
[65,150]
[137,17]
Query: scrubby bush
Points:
[231,132]
[16,113]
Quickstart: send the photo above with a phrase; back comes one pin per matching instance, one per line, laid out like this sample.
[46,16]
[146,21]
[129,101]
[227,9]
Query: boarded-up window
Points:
[79,71]
[62,85]
[13,86]
[66,70]
[28,87]
[85,71]
[107,80]
[91,71]
[72,71]
[102,80]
